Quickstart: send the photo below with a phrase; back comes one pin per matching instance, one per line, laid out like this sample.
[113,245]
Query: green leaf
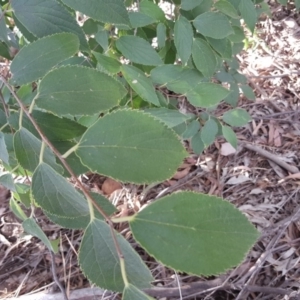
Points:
[204,57]
[7,181]
[233,97]
[99,260]
[213,24]
[227,8]
[229,136]
[197,143]
[161,35]
[36,59]
[248,92]
[238,35]
[236,117]
[183,38]
[27,35]
[138,143]
[170,117]
[27,148]
[16,209]
[138,50]
[102,39]
[31,227]
[46,17]
[55,194]
[133,293]
[141,84]
[138,19]
[78,91]
[3,29]
[209,132]
[207,94]
[152,10]
[83,220]
[194,233]
[109,64]
[190,4]
[222,46]
[112,11]
[192,128]
[3,150]
[248,13]
[176,78]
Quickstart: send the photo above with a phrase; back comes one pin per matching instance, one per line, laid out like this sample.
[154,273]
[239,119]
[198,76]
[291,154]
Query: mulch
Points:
[267,193]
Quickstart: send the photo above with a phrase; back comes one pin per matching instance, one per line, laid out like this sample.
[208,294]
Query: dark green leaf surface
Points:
[36,59]
[126,143]
[46,17]
[152,10]
[112,11]
[204,57]
[27,148]
[194,233]
[248,13]
[55,194]
[183,38]
[138,19]
[100,263]
[209,132]
[190,4]
[213,24]
[141,84]
[3,151]
[229,135]
[227,8]
[78,91]
[138,50]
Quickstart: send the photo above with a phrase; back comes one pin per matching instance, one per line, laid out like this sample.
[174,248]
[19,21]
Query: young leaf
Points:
[248,13]
[197,143]
[183,38]
[213,24]
[78,91]
[7,181]
[236,117]
[31,227]
[16,209]
[138,50]
[207,94]
[124,152]
[55,194]
[152,10]
[191,129]
[109,64]
[46,17]
[194,233]
[229,136]
[36,59]
[248,92]
[133,293]
[204,57]
[99,260]
[27,148]
[209,132]
[141,84]
[112,11]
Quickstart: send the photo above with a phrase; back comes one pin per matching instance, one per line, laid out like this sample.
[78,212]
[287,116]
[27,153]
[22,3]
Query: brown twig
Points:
[271,156]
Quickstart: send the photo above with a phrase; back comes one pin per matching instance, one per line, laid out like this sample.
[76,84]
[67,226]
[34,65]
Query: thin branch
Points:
[66,165]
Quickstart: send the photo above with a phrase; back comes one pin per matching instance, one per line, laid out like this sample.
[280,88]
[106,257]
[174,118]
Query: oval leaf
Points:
[236,117]
[204,57]
[207,94]
[27,148]
[139,149]
[194,233]
[112,11]
[229,136]
[46,17]
[55,194]
[78,90]
[213,24]
[36,59]
[248,13]
[133,293]
[138,50]
[141,84]
[183,38]
[209,132]
[99,260]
